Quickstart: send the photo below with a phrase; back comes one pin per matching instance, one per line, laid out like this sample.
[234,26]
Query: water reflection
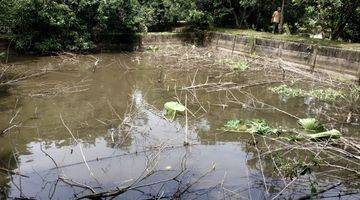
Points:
[118,118]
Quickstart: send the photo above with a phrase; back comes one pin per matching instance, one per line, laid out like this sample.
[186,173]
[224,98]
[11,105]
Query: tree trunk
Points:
[335,34]
[236,19]
[345,17]
[235,15]
[282,17]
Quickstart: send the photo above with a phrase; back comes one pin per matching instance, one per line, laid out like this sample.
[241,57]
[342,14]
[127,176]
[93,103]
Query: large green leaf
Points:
[174,106]
[334,134]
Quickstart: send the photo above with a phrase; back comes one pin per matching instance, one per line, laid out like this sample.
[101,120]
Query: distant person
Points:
[275,19]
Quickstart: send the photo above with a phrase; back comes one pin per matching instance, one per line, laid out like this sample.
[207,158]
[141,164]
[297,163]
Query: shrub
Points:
[199,20]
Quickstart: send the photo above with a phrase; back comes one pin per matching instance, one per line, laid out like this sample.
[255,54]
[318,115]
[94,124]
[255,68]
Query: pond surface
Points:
[112,105]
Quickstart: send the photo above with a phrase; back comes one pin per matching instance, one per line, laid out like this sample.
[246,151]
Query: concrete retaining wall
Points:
[159,39]
[202,38]
[311,57]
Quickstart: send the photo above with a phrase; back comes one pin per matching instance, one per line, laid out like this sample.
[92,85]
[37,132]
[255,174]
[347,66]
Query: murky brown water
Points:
[93,102]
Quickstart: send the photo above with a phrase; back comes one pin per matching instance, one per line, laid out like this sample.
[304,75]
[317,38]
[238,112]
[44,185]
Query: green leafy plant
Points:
[235,125]
[354,93]
[294,138]
[260,126]
[198,19]
[254,126]
[316,130]
[241,65]
[333,134]
[291,168]
[311,125]
[286,91]
[328,94]
[172,108]
[2,55]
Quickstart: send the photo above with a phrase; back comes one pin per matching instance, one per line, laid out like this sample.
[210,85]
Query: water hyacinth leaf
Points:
[172,108]
[333,134]
[172,105]
[311,125]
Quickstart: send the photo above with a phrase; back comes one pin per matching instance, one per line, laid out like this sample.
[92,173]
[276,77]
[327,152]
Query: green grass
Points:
[291,38]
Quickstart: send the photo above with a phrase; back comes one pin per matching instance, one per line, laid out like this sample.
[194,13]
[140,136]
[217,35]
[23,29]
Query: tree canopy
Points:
[56,25]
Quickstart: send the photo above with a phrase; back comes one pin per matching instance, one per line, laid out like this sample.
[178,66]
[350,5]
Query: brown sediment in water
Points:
[95,122]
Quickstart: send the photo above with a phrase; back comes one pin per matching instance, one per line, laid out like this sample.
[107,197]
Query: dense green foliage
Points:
[337,18]
[334,18]
[45,26]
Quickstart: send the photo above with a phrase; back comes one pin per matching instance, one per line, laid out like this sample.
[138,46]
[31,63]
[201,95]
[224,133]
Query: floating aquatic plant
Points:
[235,125]
[172,108]
[241,65]
[315,130]
[260,126]
[311,125]
[286,91]
[328,94]
[333,134]
[255,126]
